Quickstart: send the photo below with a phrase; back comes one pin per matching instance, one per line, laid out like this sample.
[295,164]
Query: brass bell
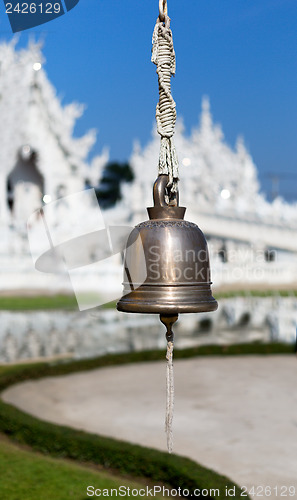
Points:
[166,268]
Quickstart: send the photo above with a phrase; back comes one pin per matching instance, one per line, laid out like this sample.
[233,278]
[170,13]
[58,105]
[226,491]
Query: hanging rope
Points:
[168,321]
[169,396]
[163,56]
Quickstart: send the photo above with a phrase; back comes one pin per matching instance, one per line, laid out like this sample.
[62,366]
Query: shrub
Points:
[124,457]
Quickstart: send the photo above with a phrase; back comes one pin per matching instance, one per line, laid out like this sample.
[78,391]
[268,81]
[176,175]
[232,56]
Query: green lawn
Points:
[30,476]
[26,475]
[44,302]
[39,302]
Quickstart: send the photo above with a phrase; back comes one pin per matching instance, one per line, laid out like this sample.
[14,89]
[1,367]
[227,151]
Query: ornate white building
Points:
[252,242]
[40,160]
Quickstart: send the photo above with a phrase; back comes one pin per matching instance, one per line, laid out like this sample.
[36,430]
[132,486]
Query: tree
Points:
[109,190]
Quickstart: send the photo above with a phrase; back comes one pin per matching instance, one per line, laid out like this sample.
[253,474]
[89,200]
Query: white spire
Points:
[206,117]
[32,114]
[208,168]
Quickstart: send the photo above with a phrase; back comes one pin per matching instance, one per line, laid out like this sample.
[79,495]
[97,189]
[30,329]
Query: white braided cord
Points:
[169,396]
[163,56]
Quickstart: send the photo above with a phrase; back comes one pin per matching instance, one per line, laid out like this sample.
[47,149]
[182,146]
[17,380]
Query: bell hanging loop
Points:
[160,193]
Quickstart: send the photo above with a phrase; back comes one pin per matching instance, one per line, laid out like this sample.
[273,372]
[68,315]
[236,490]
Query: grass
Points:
[38,302]
[43,302]
[12,374]
[31,476]
[68,302]
[124,458]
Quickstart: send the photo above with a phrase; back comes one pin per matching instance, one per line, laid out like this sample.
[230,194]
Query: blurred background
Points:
[77,111]
[77,107]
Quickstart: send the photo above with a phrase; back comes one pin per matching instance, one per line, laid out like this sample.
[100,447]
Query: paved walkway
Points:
[237,415]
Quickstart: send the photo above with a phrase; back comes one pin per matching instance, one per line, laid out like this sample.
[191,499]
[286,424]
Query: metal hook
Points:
[162,9]
[159,192]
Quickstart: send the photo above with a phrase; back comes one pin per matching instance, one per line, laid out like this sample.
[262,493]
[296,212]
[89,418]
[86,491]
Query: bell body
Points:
[166,264]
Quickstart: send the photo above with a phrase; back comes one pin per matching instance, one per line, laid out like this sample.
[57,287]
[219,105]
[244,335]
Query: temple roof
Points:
[215,178]
[32,114]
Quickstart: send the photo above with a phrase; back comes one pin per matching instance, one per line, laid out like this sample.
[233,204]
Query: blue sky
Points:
[242,53]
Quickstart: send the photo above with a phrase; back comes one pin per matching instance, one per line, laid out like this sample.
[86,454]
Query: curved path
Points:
[237,415]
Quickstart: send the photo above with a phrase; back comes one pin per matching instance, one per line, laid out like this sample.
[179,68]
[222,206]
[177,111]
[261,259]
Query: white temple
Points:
[252,242]
[40,160]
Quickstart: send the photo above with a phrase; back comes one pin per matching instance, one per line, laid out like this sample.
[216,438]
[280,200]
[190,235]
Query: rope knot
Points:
[163,56]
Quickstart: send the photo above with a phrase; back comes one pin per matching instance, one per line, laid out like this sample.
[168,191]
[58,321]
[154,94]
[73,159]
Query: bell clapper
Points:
[168,321]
